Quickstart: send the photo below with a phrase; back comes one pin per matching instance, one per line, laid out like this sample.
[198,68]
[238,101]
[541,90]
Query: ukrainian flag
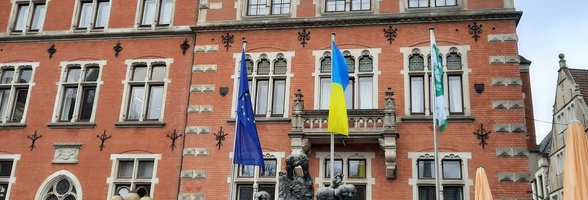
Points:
[339,81]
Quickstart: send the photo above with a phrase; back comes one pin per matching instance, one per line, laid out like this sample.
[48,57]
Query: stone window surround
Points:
[14,12]
[462,50]
[76,16]
[356,53]
[56,176]
[414,181]
[114,169]
[271,56]
[279,156]
[321,9]
[368,181]
[12,179]
[154,25]
[34,66]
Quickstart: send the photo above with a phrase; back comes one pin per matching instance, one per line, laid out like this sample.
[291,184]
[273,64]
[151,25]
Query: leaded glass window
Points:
[60,189]
[280,66]
[416,62]
[453,61]
[366,64]
[263,66]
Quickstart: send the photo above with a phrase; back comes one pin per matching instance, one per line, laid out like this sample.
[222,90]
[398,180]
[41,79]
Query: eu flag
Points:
[247,147]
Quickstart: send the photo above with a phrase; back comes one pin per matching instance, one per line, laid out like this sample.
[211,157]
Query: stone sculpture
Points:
[336,191]
[296,186]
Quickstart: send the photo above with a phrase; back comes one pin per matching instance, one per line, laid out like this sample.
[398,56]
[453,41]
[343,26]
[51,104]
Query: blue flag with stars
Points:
[247,146]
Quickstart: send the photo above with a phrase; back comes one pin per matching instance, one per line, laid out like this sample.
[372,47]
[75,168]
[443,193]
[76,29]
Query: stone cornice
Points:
[115,34]
[350,19]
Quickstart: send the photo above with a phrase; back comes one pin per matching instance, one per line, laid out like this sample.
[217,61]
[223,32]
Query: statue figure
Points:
[336,191]
[296,186]
[262,195]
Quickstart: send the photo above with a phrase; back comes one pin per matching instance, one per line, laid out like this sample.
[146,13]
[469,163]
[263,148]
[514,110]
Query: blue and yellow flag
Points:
[339,80]
[247,147]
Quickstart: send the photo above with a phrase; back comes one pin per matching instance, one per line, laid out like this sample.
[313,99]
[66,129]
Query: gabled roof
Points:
[544,146]
[580,76]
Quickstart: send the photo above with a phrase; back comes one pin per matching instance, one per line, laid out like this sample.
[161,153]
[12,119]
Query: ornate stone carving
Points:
[336,191]
[66,153]
[296,183]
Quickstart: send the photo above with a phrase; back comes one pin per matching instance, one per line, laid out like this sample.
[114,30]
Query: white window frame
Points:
[112,180]
[462,50]
[127,87]
[14,18]
[433,4]
[271,56]
[356,53]
[465,180]
[155,23]
[5,118]
[93,15]
[61,174]
[368,181]
[60,89]
[256,179]
[12,179]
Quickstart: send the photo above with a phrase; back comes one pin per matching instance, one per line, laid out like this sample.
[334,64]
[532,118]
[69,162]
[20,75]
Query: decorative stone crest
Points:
[66,153]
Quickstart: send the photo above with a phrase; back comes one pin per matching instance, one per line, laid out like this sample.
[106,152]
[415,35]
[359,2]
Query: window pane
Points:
[263,67]
[158,73]
[21,17]
[143,189]
[166,12]
[246,170]
[426,168]
[366,64]
[5,168]
[349,94]
[261,97]
[270,168]
[455,97]
[361,192]
[3,190]
[125,169]
[87,103]
[357,168]
[4,94]
[416,63]
[139,73]
[366,93]
[280,66]
[325,93]
[417,91]
[19,104]
[73,75]
[326,65]
[256,7]
[350,63]
[269,188]
[102,14]
[427,193]
[280,7]
[25,75]
[7,76]
[145,169]
[278,99]
[38,17]
[338,167]
[92,73]
[69,102]
[136,102]
[453,61]
[360,4]
[122,189]
[148,12]
[452,193]
[244,192]
[452,169]
[155,102]
[85,14]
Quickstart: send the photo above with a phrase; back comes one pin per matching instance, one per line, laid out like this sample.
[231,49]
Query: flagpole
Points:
[332,134]
[435,141]
[232,179]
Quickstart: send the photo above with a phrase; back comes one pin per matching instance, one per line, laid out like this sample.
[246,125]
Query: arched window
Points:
[326,63]
[366,63]
[453,61]
[62,185]
[416,62]
[263,65]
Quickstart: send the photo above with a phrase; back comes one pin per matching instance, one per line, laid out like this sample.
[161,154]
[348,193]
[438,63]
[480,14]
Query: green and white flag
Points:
[439,112]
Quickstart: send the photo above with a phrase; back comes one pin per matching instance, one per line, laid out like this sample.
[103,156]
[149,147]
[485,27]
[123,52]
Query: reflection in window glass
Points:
[155,102]
[357,168]
[338,167]
[136,102]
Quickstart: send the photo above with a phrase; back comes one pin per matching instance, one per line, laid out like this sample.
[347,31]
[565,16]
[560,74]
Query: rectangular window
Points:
[357,168]
[366,93]
[256,7]
[78,96]
[279,97]
[427,193]
[93,14]
[262,97]
[325,92]
[270,168]
[246,170]
[280,7]
[418,3]
[134,175]
[5,175]
[417,92]
[451,169]
[360,5]
[338,167]
[245,192]
[452,193]
[361,192]
[146,92]
[156,12]
[14,91]
[335,5]
[426,169]
[29,17]
[440,3]
[455,94]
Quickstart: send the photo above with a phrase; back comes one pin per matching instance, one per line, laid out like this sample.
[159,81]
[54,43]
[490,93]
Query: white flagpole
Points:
[332,134]
[436,155]
[232,180]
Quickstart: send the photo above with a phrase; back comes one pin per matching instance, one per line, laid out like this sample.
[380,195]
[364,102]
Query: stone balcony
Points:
[366,126]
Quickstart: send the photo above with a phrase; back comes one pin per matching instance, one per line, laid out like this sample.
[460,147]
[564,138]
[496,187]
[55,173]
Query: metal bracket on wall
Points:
[184,46]
[482,135]
[173,137]
[34,137]
[51,50]
[227,40]
[390,33]
[103,138]
[220,137]
[303,37]
[475,30]
[117,48]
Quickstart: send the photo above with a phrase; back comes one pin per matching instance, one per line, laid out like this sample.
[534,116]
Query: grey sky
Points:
[546,29]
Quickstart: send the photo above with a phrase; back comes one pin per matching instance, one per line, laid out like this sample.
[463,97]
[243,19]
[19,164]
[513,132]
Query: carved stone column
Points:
[389,134]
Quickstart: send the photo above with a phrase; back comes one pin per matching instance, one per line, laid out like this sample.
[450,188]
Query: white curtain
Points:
[38,17]
[261,97]
[102,14]
[325,93]
[416,95]
[455,99]
[366,93]
[278,99]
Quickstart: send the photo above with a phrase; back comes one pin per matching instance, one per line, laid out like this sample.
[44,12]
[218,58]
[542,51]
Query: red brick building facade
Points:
[101,86]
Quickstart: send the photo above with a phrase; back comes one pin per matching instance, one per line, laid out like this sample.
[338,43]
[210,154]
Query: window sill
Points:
[72,125]
[266,120]
[139,124]
[12,125]
[423,118]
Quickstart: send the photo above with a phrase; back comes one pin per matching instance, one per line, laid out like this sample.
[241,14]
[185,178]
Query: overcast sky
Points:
[546,29]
